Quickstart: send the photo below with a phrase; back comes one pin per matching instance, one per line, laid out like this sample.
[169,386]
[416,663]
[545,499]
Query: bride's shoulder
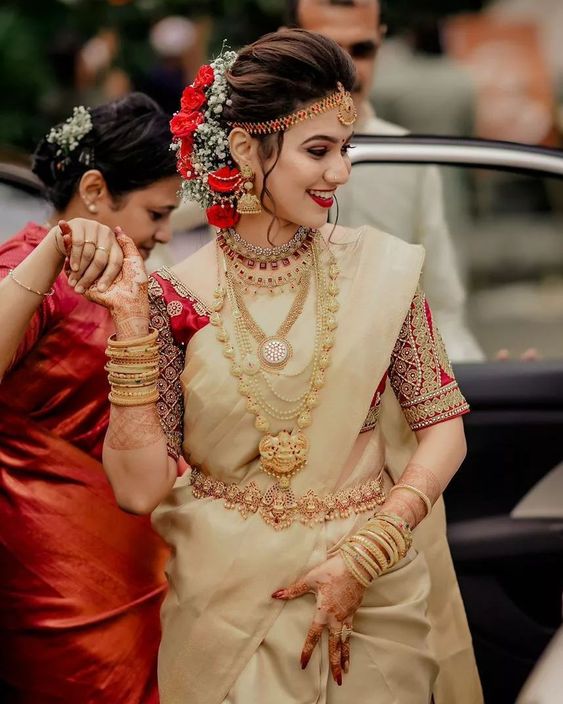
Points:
[194,277]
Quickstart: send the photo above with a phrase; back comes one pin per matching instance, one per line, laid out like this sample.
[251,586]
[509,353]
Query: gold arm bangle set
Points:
[133,370]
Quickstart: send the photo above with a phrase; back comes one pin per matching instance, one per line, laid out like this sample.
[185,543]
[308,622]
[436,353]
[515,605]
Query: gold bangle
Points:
[137,401]
[402,543]
[421,495]
[133,384]
[398,521]
[131,368]
[50,292]
[127,352]
[368,563]
[385,541]
[377,554]
[353,569]
[132,341]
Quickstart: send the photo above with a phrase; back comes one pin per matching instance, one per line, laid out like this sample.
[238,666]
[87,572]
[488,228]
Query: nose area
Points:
[164,233]
[338,172]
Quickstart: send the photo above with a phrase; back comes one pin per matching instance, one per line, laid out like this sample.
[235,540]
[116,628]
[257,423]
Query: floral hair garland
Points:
[210,177]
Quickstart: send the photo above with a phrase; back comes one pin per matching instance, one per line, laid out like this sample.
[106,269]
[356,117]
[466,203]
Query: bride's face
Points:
[312,164]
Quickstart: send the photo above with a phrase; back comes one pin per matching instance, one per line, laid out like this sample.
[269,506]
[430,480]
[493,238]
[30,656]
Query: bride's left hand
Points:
[339,595]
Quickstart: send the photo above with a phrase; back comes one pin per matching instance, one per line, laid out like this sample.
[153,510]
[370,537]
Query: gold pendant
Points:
[274,352]
[283,455]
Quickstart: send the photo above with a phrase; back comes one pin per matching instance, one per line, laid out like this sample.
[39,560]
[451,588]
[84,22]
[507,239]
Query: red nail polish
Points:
[277,595]
[339,680]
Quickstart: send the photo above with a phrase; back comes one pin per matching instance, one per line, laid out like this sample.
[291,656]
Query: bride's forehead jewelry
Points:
[341,99]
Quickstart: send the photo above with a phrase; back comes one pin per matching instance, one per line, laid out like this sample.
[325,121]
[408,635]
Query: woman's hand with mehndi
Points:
[339,596]
[125,295]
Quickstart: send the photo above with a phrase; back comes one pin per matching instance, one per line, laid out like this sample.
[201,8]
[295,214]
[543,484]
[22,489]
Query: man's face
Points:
[356,29]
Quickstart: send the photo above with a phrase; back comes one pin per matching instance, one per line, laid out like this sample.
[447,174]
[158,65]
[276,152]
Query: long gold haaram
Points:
[284,454]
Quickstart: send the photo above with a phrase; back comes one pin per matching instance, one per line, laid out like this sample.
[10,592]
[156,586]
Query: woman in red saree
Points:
[82,581]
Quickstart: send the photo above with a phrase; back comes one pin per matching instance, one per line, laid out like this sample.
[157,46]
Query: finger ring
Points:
[345,633]
[89,242]
[103,249]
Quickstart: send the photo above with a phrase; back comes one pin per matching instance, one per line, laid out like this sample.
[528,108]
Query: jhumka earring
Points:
[248,202]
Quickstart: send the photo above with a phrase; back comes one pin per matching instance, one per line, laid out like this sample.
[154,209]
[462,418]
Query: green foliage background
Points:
[28,27]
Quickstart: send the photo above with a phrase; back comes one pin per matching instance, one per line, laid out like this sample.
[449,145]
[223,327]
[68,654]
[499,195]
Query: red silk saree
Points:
[81,581]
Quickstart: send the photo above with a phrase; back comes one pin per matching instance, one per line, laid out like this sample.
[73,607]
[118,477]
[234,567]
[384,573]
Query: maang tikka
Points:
[248,202]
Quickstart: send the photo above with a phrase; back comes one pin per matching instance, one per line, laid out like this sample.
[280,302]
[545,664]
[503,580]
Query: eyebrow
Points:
[327,138]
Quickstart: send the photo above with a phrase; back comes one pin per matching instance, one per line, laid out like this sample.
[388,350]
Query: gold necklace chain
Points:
[266,254]
[274,351]
[255,280]
[284,454]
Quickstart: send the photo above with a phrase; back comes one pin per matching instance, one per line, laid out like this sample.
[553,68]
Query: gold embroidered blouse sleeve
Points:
[420,372]
[170,404]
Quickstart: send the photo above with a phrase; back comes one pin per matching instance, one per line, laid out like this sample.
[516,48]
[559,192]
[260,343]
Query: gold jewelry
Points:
[50,292]
[284,454]
[346,632]
[101,248]
[247,202]
[362,559]
[90,242]
[341,99]
[354,570]
[119,400]
[274,351]
[133,342]
[278,281]
[418,492]
[280,507]
[266,254]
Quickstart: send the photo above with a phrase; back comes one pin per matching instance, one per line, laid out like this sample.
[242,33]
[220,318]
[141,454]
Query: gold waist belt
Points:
[280,508]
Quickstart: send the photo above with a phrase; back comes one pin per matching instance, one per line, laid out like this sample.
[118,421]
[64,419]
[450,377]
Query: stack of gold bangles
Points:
[381,543]
[133,370]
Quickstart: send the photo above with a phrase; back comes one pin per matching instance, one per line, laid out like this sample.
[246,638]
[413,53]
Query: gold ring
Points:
[89,242]
[103,249]
[345,633]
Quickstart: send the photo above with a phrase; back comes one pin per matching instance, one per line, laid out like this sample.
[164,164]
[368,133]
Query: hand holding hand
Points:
[339,596]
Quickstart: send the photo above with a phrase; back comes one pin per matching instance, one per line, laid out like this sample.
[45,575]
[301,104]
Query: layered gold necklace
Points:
[284,454]
[268,269]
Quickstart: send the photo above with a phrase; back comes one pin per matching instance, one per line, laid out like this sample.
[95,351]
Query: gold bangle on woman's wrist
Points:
[417,492]
[133,370]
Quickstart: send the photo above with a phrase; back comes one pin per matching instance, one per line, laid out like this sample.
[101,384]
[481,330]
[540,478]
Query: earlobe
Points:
[92,188]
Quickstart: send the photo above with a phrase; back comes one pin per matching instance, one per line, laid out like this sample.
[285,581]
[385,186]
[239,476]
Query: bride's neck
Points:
[254,229]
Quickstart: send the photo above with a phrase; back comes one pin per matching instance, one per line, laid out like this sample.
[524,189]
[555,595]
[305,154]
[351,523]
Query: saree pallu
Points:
[81,582]
[224,638]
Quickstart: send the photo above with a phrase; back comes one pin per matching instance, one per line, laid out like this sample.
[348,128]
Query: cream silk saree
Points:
[224,638]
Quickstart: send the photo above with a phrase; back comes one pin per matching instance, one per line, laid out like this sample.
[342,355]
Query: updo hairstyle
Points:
[129,144]
[278,74]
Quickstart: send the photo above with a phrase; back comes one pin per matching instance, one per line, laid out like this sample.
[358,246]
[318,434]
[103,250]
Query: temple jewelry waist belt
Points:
[280,508]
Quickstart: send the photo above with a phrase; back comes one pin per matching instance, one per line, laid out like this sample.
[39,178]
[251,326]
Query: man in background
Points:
[405,201]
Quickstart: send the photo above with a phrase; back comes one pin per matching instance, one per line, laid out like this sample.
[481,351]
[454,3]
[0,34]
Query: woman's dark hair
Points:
[278,74]
[129,143]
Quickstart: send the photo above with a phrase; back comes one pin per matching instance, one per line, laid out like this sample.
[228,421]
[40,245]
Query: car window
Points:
[502,232]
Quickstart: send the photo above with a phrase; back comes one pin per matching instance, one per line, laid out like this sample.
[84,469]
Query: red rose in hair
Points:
[192,99]
[204,78]
[222,217]
[184,124]
[225,180]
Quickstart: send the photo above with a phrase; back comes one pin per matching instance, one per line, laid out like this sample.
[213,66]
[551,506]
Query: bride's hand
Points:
[339,595]
[93,255]
[126,296]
